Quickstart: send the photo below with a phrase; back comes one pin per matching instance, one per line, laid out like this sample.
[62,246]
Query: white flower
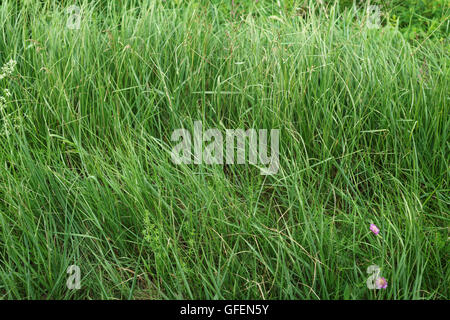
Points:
[8,68]
[2,104]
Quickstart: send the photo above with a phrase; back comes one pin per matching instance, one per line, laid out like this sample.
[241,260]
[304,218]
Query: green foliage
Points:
[87,178]
[421,18]
[417,19]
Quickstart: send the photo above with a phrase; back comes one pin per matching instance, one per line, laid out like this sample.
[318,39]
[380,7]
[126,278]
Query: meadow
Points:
[86,177]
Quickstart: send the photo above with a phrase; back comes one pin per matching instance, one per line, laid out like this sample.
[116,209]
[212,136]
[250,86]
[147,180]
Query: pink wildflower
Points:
[381,283]
[374,229]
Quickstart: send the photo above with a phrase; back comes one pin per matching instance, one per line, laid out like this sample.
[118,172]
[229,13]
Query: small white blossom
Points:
[6,124]
[8,68]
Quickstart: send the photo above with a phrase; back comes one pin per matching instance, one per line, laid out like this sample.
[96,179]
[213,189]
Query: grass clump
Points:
[86,177]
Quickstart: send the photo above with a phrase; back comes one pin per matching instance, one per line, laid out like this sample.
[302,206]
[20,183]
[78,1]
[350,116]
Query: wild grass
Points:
[86,176]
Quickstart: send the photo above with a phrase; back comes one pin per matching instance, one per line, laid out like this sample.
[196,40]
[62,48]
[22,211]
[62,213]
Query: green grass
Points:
[86,176]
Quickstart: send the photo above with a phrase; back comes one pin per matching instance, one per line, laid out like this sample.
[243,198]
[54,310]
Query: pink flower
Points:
[381,283]
[374,228]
